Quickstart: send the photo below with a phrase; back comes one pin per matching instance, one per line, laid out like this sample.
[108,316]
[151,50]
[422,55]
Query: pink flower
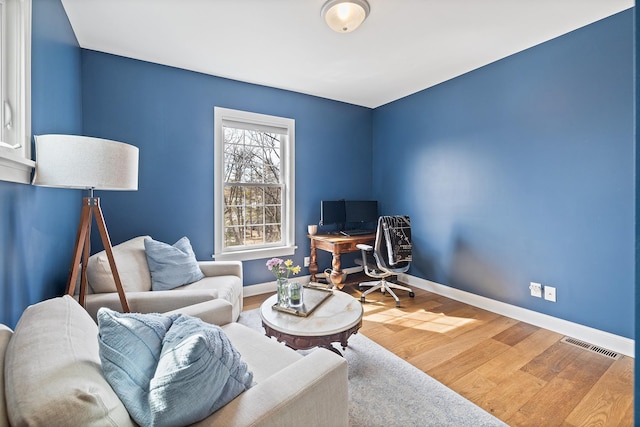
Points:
[273,262]
[281,268]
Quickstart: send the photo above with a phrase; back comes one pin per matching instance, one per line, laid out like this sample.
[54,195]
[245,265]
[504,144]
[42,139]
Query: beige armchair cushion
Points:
[133,269]
[52,368]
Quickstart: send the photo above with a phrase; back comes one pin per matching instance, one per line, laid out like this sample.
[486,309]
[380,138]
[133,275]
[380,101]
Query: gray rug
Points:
[384,390]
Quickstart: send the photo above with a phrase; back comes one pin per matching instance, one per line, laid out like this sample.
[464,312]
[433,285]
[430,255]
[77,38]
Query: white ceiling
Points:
[404,46]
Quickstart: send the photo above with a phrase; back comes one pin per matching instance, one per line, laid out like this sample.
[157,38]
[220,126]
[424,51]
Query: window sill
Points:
[255,254]
[15,168]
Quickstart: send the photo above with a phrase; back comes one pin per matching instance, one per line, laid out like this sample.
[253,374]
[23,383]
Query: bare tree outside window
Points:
[253,187]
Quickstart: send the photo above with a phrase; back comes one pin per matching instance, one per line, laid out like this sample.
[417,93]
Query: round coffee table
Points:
[335,320]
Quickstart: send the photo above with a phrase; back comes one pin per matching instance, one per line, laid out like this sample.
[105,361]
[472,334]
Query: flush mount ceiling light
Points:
[344,16]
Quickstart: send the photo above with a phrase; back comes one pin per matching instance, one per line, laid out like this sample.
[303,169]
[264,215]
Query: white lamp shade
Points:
[72,161]
[344,16]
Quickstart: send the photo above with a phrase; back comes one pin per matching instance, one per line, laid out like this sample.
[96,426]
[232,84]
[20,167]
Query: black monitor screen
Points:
[332,212]
[361,211]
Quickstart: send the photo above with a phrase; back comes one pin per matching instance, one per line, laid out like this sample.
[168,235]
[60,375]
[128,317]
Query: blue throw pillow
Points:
[130,347]
[198,373]
[169,370]
[171,266]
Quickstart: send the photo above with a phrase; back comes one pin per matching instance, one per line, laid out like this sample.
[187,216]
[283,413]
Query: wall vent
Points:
[590,347]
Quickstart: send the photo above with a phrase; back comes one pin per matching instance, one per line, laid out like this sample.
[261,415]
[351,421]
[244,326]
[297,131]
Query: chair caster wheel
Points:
[411,294]
[397,303]
[362,299]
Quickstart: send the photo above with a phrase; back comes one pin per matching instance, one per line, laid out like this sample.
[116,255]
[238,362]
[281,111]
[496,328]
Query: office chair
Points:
[390,255]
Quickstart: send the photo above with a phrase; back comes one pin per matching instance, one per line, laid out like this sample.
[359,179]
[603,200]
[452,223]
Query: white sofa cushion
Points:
[131,260]
[52,368]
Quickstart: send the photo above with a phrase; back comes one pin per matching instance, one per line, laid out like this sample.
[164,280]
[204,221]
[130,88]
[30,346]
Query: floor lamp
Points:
[70,161]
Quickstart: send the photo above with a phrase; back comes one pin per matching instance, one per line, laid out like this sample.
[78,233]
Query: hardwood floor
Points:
[520,373]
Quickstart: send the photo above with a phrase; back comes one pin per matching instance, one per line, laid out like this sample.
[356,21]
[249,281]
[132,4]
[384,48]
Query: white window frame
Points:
[287,247]
[15,91]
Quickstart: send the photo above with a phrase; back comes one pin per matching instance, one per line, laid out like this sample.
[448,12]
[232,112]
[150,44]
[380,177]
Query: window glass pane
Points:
[273,195]
[234,215]
[272,214]
[273,233]
[255,196]
[233,236]
[234,153]
[254,215]
[233,196]
[272,163]
[254,235]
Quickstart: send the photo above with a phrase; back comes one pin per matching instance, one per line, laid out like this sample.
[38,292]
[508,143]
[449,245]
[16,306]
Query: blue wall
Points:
[520,171]
[168,114]
[38,225]
[524,171]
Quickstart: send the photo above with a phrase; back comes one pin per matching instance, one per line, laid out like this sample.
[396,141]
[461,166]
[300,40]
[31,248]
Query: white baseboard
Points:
[600,338]
[259,289]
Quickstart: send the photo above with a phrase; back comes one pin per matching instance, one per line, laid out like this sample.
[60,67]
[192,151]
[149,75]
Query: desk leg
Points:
[313,262]
[336,272]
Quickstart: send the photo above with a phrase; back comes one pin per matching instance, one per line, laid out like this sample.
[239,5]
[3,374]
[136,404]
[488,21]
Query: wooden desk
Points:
[336,244]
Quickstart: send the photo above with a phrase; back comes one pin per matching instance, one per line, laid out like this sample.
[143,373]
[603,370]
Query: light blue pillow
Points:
[130,347]
[171,266]
[198,373]
[169,370]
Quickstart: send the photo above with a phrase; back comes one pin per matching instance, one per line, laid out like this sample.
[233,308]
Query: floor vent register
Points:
[590,347]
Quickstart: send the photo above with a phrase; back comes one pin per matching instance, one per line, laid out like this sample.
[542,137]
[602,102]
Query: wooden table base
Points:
[298,342]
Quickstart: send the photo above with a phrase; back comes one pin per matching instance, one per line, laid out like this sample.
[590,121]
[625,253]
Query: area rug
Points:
[384,390]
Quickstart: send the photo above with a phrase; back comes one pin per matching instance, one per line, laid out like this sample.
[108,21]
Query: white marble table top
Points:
[338,313]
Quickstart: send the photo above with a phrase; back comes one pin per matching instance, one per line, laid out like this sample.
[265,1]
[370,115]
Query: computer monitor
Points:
[361,211]
[332,212]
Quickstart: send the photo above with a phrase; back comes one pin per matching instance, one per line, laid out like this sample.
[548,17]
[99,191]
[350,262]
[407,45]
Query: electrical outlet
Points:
[550,293]
[536,289]
[307,261]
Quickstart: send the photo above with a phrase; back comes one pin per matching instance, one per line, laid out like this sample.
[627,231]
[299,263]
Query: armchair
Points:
[390,255]
[222,280]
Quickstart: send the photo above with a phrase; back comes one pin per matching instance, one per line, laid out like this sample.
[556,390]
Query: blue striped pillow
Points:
[171,266]
[169,370]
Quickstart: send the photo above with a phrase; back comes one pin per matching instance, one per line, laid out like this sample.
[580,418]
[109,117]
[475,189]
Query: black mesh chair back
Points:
[389,255]
[392,249]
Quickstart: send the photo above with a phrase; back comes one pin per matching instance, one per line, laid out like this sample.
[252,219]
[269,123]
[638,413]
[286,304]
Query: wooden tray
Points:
[314,294]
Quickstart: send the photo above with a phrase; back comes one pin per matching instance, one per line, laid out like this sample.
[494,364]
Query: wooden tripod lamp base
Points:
[90,208]
[87,163]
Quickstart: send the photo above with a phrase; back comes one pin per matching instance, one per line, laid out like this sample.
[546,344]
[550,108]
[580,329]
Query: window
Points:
[15,90]
[254,193]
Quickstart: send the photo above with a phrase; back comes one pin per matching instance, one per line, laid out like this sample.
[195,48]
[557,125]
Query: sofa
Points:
[222,279]
[53,375]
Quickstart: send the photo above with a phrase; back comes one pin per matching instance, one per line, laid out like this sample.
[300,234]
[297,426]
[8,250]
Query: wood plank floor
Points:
[520,373]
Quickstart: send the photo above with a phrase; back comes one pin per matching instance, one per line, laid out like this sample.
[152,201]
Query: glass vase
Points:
[295,294]
[283,291]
